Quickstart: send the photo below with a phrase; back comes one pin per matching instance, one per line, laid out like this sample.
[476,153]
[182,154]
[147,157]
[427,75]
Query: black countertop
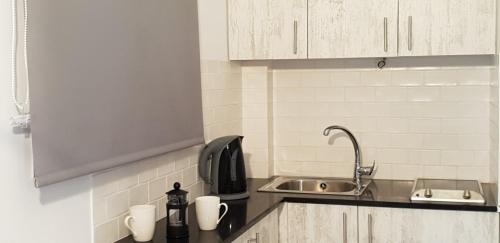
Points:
[243,214]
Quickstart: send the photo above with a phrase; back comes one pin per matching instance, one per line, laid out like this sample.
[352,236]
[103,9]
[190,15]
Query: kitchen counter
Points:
[243,214]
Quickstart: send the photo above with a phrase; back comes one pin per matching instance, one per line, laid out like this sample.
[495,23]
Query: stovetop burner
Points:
[448,191]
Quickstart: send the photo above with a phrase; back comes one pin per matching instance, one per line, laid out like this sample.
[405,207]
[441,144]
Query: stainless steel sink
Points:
[330,186]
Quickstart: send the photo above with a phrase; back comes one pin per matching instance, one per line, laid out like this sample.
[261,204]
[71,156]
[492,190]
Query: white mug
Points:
[141,222]
[207,212]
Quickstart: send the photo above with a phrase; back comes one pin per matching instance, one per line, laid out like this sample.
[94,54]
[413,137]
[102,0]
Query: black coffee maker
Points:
[222,165]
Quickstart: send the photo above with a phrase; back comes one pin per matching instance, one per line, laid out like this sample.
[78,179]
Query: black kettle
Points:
[222,166]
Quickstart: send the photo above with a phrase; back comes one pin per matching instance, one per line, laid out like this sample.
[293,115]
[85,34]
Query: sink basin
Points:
[330,186]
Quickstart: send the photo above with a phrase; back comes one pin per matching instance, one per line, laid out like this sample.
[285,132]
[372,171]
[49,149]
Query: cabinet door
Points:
[446,27]
[267,29]
[318,223]
[265,231]
[352,28]
[375,225]
[426,226]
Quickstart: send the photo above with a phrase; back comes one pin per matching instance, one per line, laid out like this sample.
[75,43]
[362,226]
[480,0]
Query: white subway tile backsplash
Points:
[189,176]
[481,157]
[457,157]
[148,170]
[406,141]
[195,191]
[287,78]
[407,78]
[107,232]
[360,94]
[122,230]
[406,172]
[465,93]
[162,207]
[473,142]
[345,78]
[393,156]
[473,173]
[139,194]
[440,172]
[166,167]
[465,125]
[98,210]
[440,141]
[328,94]
[157,188]
[173,178]
[417,125]
[117,204]
[295,94]
[315,79]
[257,169]
[104,184]
[376,78]
[424,94]
[392,125]
[430,157]
[440,77]
[389,94]
[414,122]
[181,163]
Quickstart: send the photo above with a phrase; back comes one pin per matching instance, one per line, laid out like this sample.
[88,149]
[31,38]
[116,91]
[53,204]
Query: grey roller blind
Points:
[112,81]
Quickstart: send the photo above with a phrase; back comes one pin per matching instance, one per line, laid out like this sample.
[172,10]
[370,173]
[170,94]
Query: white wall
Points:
[56,214]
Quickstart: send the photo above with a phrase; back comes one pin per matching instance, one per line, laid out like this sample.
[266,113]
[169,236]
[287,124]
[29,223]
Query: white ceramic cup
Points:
[207,212]
[141,222]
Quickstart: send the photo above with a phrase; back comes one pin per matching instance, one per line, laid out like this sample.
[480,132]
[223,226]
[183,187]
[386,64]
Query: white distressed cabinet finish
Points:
[446,27]
[397,225]
[267,230]
[352,28]
[317,223]
[267,29]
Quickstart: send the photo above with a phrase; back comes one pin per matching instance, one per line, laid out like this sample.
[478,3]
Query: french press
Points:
[177,213]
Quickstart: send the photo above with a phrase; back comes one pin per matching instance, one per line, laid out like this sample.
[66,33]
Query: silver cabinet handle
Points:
[410,33]
[256,239]
[344,225]
[295,27]
[370,228]
[386,47]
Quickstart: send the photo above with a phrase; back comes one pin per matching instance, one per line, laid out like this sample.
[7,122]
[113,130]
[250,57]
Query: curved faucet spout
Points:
[327,130]
[358,170]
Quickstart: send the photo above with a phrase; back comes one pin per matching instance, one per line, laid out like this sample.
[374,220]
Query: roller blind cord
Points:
[23,119]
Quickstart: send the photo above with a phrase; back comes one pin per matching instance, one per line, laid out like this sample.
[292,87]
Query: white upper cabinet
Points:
[446,27]
[352,28]
[267,29]
[300,29]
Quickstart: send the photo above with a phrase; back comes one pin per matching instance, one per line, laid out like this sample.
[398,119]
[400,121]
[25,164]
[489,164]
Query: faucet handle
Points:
[373,168]
[368,170]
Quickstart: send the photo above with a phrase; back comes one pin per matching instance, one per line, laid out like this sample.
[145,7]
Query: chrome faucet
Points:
[358,170]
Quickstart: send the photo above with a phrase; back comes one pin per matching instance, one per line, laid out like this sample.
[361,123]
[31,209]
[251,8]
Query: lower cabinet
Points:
[266,230]
[387,225]
[320,223]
